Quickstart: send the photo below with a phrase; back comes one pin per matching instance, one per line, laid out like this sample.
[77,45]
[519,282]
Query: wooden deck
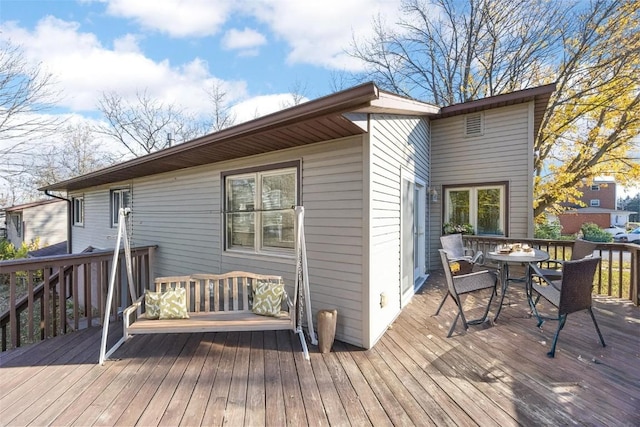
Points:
[491,375]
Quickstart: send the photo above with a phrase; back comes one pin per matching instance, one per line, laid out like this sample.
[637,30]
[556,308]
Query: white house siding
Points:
[96,231]
[46,223]
[180,212]
[503,153]
[396,143]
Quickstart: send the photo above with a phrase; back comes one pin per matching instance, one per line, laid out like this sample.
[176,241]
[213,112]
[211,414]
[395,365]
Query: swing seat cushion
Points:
[267,298]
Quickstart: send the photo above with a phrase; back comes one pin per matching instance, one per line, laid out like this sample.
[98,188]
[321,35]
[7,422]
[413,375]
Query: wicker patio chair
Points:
[453,245]
[569,294]
[466,283]
[581,249]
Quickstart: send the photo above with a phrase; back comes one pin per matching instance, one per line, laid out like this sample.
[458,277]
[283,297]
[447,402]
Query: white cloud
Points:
[319,31]
[178,18]
[126,43]
[245,39]
[259,106]
[85,68]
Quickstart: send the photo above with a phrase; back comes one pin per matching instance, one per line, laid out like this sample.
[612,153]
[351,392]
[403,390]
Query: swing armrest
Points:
[135,307]
[287,299]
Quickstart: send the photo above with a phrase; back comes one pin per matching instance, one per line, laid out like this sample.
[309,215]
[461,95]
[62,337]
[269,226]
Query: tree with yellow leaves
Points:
[451,51]
[592,124]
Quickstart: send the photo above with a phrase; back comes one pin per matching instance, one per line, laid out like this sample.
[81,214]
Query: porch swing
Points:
[214,302]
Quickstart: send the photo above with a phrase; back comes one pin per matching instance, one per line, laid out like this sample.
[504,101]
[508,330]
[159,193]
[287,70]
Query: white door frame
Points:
[418,235]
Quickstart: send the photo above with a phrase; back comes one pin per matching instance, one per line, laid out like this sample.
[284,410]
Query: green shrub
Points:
[9,251]
[548,231]
[593,233]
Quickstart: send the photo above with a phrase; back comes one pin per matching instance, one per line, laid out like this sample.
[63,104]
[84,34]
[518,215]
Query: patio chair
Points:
[581,249]
[453,245]
[466,283]
[569,294]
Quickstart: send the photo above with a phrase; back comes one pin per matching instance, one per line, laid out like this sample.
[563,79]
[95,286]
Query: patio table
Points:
[515,257]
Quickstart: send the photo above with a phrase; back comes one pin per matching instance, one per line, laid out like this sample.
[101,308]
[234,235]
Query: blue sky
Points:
[258,50]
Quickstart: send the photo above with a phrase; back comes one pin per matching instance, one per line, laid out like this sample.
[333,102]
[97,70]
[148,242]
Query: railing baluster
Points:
[76,297]
[30,304]
[49,282]
[616,277]
[46,303]
[14,322]
[62,301]
[88,305]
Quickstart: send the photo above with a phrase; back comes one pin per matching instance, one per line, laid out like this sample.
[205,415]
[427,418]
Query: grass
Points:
[613,288]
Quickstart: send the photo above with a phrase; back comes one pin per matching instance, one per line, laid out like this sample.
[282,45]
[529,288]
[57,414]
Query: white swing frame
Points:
[301,288]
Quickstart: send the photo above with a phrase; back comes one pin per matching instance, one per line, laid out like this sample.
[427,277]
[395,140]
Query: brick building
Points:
[600,201]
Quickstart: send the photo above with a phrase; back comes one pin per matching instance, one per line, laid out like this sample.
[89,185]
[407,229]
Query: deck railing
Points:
[49,296]
[618,272]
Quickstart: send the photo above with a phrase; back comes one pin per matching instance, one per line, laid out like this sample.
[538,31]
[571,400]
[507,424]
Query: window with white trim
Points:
[595,187]
[483,206]
[77,206]
[258,210]
[120,198]
[594,203]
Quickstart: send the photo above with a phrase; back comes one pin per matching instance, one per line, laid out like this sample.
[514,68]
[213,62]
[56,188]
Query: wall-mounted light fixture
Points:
[433,193]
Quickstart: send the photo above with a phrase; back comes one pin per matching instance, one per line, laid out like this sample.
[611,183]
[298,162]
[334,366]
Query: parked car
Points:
[632,225]
[632,236]
[614,231]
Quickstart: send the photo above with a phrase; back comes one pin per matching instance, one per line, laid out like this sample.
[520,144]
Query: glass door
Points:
[412,244]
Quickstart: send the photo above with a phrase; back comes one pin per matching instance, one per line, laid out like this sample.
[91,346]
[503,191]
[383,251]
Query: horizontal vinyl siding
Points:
[96,230]
[47,223]
[397,143]
[332,194]
[502,153]
[180,212]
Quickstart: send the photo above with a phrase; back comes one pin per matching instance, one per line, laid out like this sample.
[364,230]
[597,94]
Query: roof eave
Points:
[347,100]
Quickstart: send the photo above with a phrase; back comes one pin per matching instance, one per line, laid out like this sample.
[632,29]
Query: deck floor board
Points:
[492,374]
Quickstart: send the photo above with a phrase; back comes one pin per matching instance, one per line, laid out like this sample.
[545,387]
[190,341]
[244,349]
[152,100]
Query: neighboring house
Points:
[45,220]
[601,208]
[377,174]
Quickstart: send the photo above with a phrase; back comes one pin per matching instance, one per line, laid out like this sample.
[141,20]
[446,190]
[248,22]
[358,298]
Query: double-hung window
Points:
[258,209]
[483,206]
[120,198]
[78,210]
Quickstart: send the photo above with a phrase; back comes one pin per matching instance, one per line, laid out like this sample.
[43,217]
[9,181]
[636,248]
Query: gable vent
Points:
[473,124]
